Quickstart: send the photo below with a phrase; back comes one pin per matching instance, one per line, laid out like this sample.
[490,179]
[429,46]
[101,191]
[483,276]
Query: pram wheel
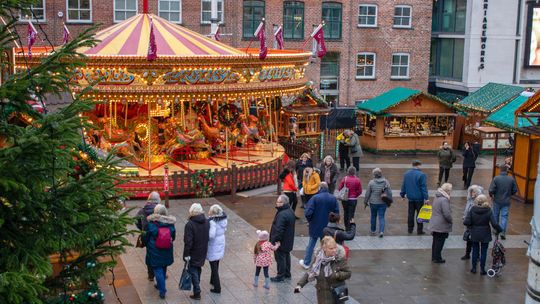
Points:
[491,273]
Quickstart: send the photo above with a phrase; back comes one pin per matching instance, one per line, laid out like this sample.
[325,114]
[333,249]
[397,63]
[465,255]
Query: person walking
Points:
[473,192]
[333,229]
[329,173]
[317,210]
[263,257]
[303,163]
[440,223]
[355,149]
[141,223]
[282,231]
[414,187]
[501,189]
[196,237]
[355,190]
[376,187]
[328,269]
[290,184]
[310,183]
[469,163]
[343,151]
[480,219]
[446,159]
[160,235]
[216,243]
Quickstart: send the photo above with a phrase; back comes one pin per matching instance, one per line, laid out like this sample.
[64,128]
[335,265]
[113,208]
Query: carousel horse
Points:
[249,129]
[213,134]
[193,139]
[265,127]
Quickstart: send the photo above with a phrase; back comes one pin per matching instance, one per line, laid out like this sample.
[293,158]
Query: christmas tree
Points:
[57,199]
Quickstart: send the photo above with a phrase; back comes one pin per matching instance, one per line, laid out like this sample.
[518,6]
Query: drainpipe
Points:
[533,252]
[214,17]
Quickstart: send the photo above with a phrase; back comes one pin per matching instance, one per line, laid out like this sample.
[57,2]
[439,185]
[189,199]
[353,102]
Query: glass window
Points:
[365,65]
[36,12]
[402,16]
[330,72]
[332,14]
[79,10]
[400,66]
[447,58]
[253,13]
[206,11]
[124,9]
[293,20]
[367,15]
[449,16]
[170,10]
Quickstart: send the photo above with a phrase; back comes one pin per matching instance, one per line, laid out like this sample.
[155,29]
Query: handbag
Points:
[340,293]
[386,195]
[140,243]
[343,194]
[467,235]
[185,279]
[425,214]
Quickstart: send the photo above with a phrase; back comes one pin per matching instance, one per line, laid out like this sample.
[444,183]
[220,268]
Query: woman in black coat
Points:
[336,231]
[469,163]
[196,237]
[480,220]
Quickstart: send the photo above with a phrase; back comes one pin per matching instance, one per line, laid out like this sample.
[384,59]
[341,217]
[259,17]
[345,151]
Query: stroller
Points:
[498,259]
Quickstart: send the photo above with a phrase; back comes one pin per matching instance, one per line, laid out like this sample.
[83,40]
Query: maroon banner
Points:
[318,35]
[66,35]
[32,37]
[279,38]
[260,33]
[152,47]
[217,35]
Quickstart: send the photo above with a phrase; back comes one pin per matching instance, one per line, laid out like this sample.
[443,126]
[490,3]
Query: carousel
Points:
[199,105]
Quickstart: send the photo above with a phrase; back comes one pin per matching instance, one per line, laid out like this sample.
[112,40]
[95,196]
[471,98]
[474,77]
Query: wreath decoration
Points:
[228,115]
[203,182]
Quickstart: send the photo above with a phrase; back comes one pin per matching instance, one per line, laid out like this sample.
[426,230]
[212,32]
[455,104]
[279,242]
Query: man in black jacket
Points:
[196,245]
[283,231]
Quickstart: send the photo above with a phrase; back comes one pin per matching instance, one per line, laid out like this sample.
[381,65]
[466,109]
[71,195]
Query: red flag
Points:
[152,47]
[318,35]
[217,35]
[279,38]
[260,33]
[32,37]
[66,36]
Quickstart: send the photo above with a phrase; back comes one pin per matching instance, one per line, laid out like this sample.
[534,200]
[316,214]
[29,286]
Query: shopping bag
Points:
[425,214]
[343,194]
[185,279]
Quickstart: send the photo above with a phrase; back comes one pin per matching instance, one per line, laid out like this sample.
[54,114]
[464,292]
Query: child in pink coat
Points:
[263,257]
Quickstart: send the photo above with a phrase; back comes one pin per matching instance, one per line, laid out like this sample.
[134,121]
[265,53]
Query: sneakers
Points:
[373,233]
[381,234]
[301,262]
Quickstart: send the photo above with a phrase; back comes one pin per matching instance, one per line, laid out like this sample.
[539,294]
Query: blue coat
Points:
[159,257]
[414,185]
[317,210]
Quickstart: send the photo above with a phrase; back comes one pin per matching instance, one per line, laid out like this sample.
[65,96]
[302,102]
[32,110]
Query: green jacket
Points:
[446,158]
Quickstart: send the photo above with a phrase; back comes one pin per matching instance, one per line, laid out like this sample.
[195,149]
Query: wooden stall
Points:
[403,119]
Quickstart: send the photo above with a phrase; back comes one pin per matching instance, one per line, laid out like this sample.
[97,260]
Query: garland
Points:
[228,114]
[203,182]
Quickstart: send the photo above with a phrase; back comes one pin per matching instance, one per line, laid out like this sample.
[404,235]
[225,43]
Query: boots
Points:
[256,281]
[267,283]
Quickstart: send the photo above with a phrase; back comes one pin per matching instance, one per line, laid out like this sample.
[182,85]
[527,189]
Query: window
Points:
[331,14]
[367,15]
[400,66]
[402,16]
[79,10]
[329,86]
[253,14]
[124,9]
[447,58]
[449,16]
[36,12]
[293,20]
[170,10]
[365,65]
[206,11]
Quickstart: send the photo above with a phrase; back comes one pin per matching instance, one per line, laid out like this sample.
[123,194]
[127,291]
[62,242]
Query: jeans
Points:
[467,176]
[214,275]
[377,210]
[356,164]
[258,271]
[160,274]
[309,250]
[195,278]
[446,172]
[438,243]
[414,209]
[503,212]
[293,199]
[283,261]
[482,247]
[349,207]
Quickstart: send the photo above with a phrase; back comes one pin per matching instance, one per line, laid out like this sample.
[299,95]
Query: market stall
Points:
[403,119]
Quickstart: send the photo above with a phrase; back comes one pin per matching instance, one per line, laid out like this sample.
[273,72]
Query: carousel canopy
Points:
[132,37]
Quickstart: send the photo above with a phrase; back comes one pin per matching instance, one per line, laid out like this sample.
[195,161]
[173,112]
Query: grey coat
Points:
[375,189]
[502,188]
[441,215]
[354,144]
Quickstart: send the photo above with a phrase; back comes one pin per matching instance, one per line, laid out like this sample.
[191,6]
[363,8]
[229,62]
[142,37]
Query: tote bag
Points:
[343,194]
[185,279]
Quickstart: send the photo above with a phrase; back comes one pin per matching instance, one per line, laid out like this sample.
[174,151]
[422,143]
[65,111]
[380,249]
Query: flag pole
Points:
[314,31]
[254,36]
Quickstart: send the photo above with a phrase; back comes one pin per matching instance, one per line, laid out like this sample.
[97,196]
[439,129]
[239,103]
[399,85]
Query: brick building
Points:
[373,45]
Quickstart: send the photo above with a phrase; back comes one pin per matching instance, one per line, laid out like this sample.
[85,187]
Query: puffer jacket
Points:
[375,189]
[216,243]
[311,186]
[479,220]
[156,257]
[196,235]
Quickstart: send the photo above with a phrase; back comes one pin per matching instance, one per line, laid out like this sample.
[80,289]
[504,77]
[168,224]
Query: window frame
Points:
[376,15]
[373,76]
[340,22]
[402,6]
[68,20]
[254,25]
[171,12]
[296,7]
[222,12]
[44,19]
[400,66]
[125,10]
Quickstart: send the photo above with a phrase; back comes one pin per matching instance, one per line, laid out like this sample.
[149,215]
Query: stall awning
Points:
[422,114]
[490,130]
[504,118]
[490,97]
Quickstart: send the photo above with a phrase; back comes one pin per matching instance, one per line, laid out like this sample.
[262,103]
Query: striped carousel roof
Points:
[131,38]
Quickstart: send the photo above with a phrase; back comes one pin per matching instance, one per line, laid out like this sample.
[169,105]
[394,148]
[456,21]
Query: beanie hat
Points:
[263,235]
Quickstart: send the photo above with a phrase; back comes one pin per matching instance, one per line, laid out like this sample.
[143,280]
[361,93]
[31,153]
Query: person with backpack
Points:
[141,223]
[160,235]
[216,244]
[196,237]
[469,163]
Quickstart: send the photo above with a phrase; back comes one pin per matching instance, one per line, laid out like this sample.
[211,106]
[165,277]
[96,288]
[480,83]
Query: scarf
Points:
[320,260]
[327,174]
[443,193]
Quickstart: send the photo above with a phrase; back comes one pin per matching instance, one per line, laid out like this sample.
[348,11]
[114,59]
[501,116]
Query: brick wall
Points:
[382,40]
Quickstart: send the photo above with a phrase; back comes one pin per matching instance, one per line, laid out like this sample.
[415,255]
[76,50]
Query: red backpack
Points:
[164,239]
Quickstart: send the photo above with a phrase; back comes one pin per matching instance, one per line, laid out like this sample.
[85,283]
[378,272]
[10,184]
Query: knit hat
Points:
[263,235]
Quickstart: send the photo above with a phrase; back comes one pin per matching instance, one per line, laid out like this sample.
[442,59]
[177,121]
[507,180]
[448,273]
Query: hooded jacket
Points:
[143,213]
[317,210]
[196,235]
[338,233]
[479,220]
[375,189]
[156,257]
[283,228]
[216,243]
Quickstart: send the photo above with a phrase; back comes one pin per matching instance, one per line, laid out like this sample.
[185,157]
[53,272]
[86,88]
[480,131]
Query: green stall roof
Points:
[504,117]
[490,97]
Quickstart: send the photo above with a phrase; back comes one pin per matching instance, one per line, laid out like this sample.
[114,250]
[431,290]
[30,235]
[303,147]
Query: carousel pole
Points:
[149,133]
[110,119]
[227,146]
